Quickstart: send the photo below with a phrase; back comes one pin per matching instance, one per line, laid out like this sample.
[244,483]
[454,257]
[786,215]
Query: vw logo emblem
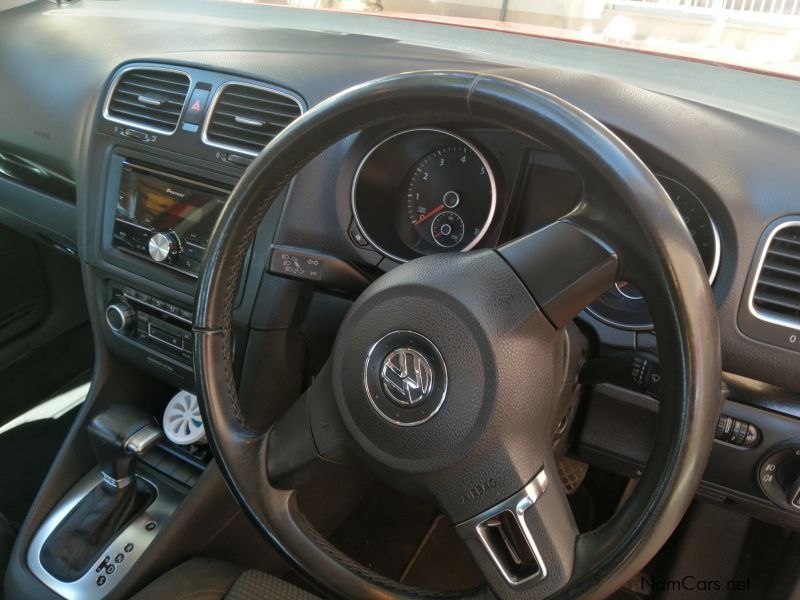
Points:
[406,376]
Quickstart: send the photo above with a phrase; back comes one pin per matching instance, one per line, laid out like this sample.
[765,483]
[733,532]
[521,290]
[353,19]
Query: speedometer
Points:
[623,305]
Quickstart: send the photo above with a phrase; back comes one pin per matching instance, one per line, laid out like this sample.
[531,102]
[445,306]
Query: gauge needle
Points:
[429,214]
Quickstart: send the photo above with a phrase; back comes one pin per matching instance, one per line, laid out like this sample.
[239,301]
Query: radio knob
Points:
[163,246]
[119,317]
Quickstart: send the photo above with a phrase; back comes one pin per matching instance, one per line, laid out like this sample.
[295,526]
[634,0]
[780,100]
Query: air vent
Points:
[244,118]
[149,98]
[776,293]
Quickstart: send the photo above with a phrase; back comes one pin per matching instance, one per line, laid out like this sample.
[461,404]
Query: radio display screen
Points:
[169,203]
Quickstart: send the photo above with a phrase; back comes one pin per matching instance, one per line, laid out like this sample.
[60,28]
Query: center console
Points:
[172,141]
[161,162]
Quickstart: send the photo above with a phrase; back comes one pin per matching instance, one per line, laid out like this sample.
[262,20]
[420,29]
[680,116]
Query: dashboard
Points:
[125,157]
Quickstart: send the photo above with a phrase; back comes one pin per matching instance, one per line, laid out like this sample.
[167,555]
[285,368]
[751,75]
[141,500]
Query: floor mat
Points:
[404,538]
[384,530]
[442,561]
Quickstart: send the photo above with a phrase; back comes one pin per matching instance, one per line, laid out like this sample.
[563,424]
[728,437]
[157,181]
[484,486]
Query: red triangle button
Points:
[196,106]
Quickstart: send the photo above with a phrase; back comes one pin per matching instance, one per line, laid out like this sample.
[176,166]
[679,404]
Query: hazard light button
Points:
[197,106]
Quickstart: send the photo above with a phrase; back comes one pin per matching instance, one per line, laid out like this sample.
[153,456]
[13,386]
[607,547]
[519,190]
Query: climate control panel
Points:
[151,321]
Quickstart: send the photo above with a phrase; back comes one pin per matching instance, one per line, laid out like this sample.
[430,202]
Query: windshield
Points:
[762,35]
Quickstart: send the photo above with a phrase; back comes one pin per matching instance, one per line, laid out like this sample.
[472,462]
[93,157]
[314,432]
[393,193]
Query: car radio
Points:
[165,218]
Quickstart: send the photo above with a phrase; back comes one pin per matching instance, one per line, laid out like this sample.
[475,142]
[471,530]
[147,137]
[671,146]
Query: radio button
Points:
[194,251]
[187,265]
[163,246]
[167,338]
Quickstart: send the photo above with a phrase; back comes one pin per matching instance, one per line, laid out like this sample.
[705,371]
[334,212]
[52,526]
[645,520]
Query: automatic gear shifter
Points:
[118,435]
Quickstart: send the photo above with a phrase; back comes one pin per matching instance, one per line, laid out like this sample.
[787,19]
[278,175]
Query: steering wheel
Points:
[445,373]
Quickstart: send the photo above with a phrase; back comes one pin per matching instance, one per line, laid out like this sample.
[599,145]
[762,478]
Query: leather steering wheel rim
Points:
[674,282]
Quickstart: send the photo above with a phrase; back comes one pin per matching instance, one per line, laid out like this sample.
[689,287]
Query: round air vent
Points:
[182,422]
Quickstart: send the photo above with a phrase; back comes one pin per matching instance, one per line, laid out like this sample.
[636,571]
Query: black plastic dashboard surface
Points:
[730,137]
[744,166]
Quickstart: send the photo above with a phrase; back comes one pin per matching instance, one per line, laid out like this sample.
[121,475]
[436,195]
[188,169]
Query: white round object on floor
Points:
[182,422]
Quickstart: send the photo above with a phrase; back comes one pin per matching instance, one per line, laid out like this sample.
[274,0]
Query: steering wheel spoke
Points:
[564,266]
[308,437]
[525,545]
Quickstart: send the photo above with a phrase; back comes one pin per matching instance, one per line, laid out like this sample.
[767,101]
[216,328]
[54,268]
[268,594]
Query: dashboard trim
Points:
[107,103]
[460,139]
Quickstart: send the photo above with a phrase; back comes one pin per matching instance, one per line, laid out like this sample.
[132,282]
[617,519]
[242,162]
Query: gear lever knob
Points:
[118,435]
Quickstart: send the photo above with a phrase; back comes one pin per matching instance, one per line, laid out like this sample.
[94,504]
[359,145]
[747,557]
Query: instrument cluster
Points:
[426,190]
[423,191]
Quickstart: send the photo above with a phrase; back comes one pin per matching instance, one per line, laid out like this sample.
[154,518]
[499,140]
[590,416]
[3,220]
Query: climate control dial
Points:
[119,317]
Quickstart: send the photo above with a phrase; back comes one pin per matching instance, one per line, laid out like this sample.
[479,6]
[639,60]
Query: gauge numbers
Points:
[449,199]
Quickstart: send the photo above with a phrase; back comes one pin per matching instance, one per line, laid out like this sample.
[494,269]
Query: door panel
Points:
[23,301]
[45,337]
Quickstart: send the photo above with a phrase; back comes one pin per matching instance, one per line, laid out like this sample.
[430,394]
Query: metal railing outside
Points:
[724,8]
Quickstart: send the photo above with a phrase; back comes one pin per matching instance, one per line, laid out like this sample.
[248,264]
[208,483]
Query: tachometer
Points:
[623,305]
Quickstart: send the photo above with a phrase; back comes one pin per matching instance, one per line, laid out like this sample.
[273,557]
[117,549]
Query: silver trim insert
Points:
[518,504]
[116,483]
[460,139]
[124,318]
[758,314]
[143,440]
[148,100]
[140,534]
[107,116]
[213,106]
[250,122]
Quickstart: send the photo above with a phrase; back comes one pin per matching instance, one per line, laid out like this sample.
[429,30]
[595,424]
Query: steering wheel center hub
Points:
[405,378]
